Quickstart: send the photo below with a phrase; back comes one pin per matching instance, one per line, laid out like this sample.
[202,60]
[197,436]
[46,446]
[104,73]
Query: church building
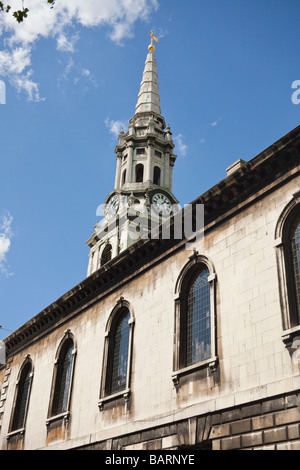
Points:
[185,333]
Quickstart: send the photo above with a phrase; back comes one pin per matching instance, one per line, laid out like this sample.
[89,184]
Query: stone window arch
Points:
[195,312]
[116,370]
[287,244]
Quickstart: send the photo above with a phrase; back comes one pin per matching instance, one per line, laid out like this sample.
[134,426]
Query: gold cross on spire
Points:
[152,47]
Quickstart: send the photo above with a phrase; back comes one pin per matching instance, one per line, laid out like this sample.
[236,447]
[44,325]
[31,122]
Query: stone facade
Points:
[243,395]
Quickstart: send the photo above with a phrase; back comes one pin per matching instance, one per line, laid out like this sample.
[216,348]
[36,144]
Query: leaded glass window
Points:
[295,252]
[22,398]
[63,379]
[198,319]
[120,354]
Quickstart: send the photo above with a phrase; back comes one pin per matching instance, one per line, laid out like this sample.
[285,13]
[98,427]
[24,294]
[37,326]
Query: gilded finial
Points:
[152,47]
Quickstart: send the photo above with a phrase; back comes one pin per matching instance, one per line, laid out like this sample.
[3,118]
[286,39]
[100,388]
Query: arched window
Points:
[117,353]
[295,263]
[106,254]
[156,175]
[139,173]
[63,374]
[22,397]
[197,310]
[195,317]
[287,243]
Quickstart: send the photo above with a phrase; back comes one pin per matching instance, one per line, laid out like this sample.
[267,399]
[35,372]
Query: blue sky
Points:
[225,71]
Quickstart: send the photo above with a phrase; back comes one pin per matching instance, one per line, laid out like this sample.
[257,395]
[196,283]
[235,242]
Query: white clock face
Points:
[112,207]
[161,204]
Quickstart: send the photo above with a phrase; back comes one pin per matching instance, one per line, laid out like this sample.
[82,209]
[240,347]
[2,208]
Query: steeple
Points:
[145,162]
[148,98]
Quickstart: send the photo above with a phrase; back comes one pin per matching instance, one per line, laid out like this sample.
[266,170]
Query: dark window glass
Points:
[156,175]
[139,173]
[295,250]
[22,399]
[63,379]
[120,355]
[124,177]
[106,255]
[198,319]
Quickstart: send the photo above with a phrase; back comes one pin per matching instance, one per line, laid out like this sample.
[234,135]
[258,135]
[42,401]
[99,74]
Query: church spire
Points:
[145,162]
[148,98]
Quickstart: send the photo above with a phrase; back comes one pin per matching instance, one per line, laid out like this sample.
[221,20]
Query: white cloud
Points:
[182,147]
[86,73]
[60,23]
[14,62]
[65,43]
[5,241]
[76,72]
[215,123]
[13,65]
[114,127]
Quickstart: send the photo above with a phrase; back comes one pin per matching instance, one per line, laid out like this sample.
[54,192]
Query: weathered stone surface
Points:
[239,427]
[231,443]
[261,422]
[253,439]
[220,431]
[275,435]
[294,431]
[287,416]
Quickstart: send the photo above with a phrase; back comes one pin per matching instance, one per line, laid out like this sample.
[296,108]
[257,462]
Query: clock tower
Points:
[143,182]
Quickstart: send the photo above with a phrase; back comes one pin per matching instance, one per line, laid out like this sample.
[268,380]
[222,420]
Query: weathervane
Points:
[152,47]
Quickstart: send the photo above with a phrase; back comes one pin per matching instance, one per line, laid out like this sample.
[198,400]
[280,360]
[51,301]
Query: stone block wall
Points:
[271,424]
